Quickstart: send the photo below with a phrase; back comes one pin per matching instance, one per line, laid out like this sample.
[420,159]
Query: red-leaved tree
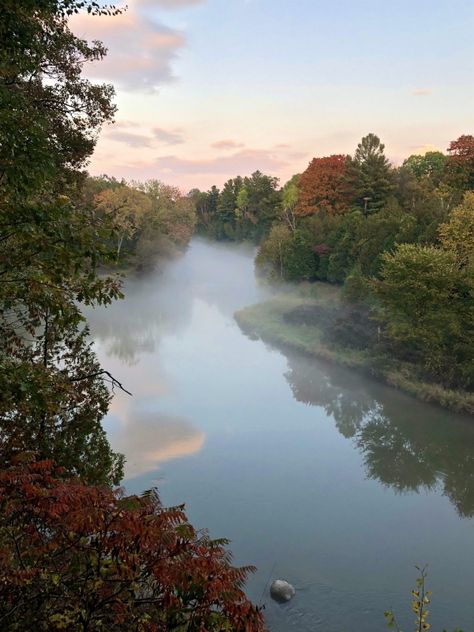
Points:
[323,186]
[81,558]
[460,163]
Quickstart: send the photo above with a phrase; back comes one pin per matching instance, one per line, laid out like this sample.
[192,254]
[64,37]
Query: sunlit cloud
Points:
[173,137]
[421,92]
[140,50]
[148,440]
[421,150]
[226,144]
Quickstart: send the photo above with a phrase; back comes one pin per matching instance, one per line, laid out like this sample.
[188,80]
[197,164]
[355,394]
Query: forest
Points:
[397,241]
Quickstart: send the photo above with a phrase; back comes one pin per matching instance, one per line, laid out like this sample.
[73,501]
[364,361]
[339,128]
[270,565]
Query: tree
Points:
[127,209]
[287,255]
[274,250]
[457,234]
[50,245]
[172,219]
[460,163]
[78,558]
[289,200]
[205,204]
[322,187]
[369,173]
[424,300]
[431,165]
[226,217]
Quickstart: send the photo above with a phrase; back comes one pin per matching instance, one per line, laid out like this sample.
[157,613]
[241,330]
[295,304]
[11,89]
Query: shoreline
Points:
[266,321]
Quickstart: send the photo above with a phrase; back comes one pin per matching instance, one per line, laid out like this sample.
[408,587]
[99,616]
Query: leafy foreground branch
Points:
[80,558]
[419,605]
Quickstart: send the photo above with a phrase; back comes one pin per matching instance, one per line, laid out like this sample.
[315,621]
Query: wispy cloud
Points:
[121,123]
[226,144]
[140,50]
[133,140]
[173,137]
[243,162]
[421,92]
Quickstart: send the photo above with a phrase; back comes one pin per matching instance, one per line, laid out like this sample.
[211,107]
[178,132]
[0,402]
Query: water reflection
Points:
[402,446]
[162,303]
[152,307]
[149,439]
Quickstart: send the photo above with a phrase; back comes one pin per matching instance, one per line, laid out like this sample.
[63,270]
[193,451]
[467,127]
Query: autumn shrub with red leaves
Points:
[75,557]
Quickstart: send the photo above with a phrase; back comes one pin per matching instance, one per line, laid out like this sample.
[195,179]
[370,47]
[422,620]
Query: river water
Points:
[318,475]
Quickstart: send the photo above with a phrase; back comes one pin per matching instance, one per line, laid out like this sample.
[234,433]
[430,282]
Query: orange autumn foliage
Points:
[460,163]
[75,557]
[323,186]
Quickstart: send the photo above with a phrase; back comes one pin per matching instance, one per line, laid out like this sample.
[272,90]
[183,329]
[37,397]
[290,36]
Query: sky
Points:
[210,89]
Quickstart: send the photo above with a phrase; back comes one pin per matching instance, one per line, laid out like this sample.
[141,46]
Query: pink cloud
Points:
[140,51]
[226,144]
[421,92]
[243,162]
[174,137]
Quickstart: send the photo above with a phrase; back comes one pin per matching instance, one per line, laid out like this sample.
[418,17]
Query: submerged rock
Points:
[281,590]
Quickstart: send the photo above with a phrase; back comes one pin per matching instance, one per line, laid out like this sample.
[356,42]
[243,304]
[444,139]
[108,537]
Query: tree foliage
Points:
[431,165]
[322,187]
[244,209]
[50,242]
[77,558]
[401,240]
[370,174]
[460,164]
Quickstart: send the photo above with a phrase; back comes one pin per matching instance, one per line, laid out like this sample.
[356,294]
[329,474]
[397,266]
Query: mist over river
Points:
[318,475]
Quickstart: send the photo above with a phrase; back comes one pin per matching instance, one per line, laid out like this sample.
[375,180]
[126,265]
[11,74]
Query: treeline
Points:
[151,221]
[76,554]
[245,209]
[399,240]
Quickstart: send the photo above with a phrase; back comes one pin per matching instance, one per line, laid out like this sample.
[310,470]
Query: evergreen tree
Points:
[370,174]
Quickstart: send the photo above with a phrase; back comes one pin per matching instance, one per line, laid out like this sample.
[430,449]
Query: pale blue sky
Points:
[281,81]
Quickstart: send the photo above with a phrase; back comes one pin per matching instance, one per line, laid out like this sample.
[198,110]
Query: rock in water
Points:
[281,591]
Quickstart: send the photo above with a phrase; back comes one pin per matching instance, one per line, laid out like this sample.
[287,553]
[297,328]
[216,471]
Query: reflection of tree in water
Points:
[406,444]
[133,326]
[161,303]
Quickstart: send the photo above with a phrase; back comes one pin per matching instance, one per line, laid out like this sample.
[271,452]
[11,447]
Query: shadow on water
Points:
[403,447]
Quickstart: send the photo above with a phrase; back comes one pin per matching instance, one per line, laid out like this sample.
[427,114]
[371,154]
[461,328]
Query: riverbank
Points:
[272,322]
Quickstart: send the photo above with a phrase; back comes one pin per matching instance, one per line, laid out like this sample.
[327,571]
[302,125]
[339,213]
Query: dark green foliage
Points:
[244,210]
[53,392]
[370,175]
[427,308]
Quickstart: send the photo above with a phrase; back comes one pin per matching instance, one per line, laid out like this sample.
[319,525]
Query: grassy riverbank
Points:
[273,321]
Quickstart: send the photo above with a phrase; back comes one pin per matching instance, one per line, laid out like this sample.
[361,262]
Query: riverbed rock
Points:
[281,590]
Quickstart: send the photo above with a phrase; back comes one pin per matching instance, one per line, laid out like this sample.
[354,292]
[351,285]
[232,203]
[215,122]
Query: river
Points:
[318,475]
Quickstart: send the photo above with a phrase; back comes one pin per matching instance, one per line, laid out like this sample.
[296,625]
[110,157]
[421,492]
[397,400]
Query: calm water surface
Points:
[317,475]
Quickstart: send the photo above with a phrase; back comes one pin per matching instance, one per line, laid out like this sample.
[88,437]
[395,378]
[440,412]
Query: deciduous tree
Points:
[460,164]
[50,246]
[78,558]
[323,187]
